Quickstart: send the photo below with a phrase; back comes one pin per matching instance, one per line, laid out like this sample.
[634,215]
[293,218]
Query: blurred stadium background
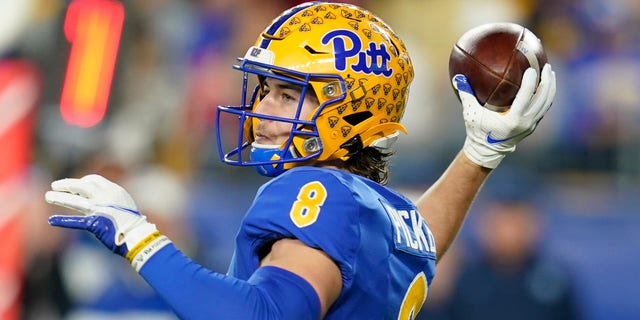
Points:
[166,64]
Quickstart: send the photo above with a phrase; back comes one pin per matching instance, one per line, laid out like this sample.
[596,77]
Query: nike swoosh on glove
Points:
[492,135]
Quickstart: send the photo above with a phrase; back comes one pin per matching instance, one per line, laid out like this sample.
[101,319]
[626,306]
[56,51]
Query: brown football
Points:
[494,57]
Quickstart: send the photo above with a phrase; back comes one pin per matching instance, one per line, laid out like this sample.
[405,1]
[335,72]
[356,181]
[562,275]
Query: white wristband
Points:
[153,244]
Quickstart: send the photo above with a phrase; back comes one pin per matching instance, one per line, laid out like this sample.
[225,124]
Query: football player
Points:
[324,90]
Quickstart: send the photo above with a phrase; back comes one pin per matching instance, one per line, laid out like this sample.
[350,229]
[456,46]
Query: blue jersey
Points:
[384,249]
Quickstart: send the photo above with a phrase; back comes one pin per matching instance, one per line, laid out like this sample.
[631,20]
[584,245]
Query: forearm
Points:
[195,292]
[445,204]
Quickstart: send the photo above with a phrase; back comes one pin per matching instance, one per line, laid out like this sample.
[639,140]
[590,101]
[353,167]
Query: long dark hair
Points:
[370,162]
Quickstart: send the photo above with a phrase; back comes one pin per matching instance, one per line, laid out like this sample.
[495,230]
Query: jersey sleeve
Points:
[194,292]
[313,206]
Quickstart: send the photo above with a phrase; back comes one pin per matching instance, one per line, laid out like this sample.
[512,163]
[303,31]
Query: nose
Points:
[264,106]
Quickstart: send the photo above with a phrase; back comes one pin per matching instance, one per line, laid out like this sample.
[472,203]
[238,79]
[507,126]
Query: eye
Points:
[288,98]
[264,90]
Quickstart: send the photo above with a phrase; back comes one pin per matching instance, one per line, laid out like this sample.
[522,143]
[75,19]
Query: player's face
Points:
[280,99]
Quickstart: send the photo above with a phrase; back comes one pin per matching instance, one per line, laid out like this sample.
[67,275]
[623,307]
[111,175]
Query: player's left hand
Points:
[492,135]
[108,212]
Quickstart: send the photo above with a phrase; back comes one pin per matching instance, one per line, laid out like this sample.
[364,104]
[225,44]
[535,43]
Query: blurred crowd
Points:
[553,233]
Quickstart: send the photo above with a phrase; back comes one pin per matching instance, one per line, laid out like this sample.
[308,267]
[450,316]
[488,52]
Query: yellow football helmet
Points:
[358,68]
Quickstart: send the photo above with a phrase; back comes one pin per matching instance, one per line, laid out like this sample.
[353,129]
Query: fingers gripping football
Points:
[492,135]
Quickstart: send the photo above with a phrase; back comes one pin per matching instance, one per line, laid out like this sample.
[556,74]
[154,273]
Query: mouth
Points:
[263,139]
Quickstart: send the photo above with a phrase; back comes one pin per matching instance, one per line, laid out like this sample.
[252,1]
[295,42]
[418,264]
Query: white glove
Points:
[109,213]
[492,135]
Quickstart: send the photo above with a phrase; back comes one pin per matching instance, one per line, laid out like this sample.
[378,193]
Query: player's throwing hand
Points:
[492,135]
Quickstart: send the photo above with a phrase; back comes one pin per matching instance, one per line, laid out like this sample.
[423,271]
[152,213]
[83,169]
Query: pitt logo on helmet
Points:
[372,60]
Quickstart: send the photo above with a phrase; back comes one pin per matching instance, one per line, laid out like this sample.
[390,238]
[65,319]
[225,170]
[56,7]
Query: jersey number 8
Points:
[306,208]
[414,298]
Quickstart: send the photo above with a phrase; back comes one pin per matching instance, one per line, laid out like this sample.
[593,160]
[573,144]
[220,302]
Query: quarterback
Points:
[325,87]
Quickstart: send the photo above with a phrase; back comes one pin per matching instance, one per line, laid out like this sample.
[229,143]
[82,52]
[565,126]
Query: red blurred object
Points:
[20,91]
[94,28]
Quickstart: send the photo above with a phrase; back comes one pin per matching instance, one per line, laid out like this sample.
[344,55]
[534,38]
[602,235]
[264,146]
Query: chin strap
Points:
[260,153]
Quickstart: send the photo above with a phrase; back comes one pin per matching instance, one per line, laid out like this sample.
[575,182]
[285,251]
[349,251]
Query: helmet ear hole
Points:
[355,118]
[353,146]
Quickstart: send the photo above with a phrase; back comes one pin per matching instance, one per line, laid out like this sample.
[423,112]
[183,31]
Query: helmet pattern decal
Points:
[294,21]
[368,102]
[356,105]
[390,108]
[398,79]
[349,82]
[320,8]
[346,14]
[345,130]
[395,94]
[284,32]
[367,33]
[375,88]
[305,27]
[381,103]
[386,88]
[333,120]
